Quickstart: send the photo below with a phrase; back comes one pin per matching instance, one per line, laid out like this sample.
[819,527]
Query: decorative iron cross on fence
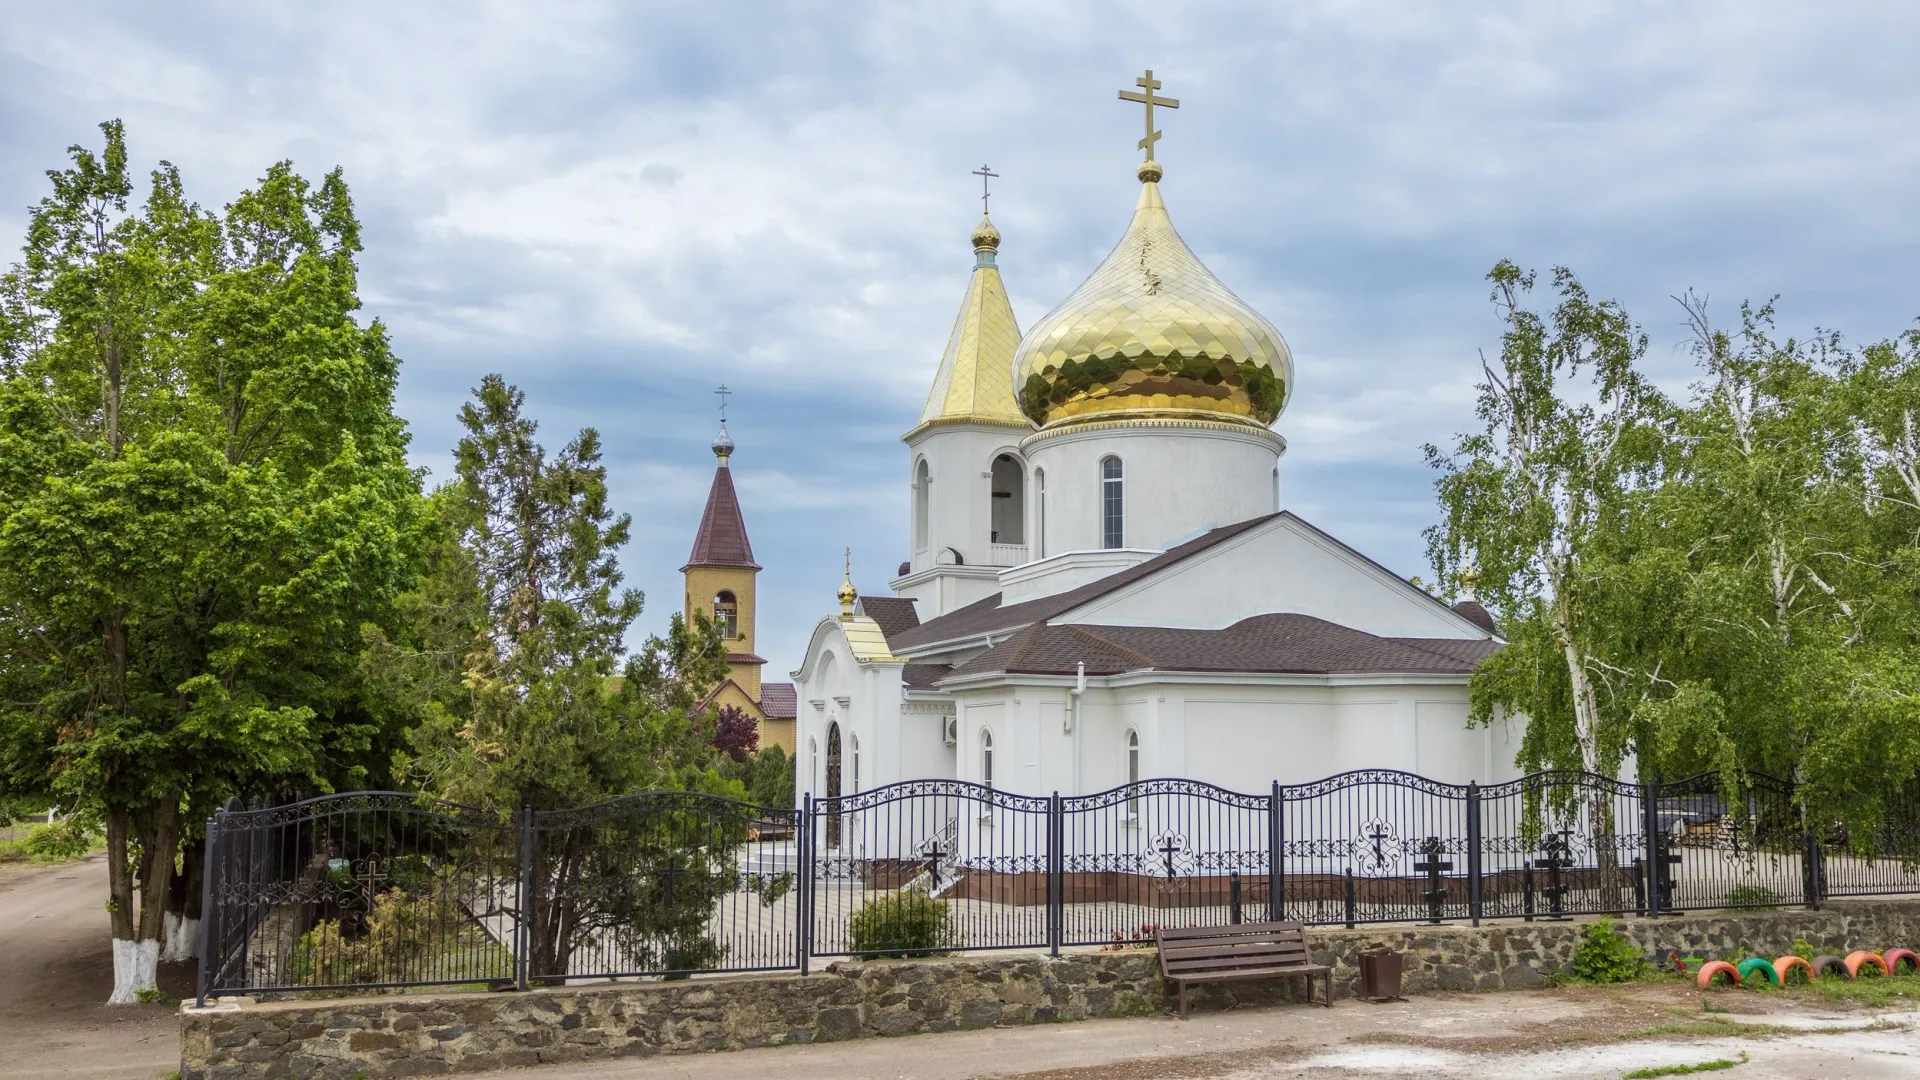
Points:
[1169,846]
[931,853]
[1432,848]
[1559,849]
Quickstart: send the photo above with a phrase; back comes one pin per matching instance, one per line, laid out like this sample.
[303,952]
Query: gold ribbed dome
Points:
[1152,333]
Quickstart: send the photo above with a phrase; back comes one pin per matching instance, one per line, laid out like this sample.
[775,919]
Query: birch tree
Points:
[1568,433]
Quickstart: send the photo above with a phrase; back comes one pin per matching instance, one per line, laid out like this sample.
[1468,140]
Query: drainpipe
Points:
[1073,720]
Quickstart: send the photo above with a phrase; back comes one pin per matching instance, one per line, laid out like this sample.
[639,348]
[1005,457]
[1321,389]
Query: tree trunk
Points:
[137,939]
[181,940]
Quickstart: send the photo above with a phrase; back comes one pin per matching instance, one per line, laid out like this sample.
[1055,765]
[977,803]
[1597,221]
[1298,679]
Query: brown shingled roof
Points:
[779,701]
[923,676]
[1278,644]
[988,616]
[894,614]
[722,539]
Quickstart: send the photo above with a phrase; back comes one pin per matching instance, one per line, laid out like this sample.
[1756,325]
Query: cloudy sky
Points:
[621,205]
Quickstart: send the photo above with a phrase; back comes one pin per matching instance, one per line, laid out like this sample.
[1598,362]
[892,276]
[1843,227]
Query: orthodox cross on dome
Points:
[724,395]
[1148,84]
[984,172]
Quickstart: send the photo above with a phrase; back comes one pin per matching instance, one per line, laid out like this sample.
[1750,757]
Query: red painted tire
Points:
[1830,965]
[1896,957]
[1786,964]
[1712,970]
[1860,958]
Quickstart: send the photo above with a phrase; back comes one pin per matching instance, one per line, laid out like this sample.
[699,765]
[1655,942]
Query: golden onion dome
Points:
[1152,333]
[985,236]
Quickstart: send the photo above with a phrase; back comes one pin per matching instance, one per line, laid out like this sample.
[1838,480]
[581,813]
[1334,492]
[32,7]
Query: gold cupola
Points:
[1152,334]
[972,385]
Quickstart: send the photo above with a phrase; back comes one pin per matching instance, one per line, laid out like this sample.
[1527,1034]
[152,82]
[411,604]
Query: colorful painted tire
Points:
[1860,958]
[1897,957]
[1830,965]
[1755,965]
[1786,964]
[1712,970]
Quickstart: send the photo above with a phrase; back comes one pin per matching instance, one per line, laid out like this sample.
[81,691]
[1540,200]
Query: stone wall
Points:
[412,1035]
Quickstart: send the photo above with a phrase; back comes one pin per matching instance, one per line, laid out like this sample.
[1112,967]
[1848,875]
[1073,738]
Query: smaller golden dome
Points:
[847,593]
[985,236]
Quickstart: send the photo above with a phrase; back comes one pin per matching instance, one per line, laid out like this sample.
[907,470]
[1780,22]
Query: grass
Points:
[1871,991]
[1715,1065]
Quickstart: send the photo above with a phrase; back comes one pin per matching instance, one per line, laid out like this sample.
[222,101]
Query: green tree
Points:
[1568,432]
[511,672]
[203,496]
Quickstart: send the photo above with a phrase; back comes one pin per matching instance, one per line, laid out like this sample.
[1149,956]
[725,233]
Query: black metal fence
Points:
[384,889]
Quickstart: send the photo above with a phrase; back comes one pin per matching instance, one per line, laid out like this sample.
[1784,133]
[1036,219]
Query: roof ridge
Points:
[1127,651]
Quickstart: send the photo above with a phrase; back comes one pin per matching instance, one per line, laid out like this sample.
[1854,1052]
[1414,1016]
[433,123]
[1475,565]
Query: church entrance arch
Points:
[833,784]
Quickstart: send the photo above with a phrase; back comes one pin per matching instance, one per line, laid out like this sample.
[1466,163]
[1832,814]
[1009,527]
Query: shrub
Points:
[906,922]
[61,841]
[1752,896]
[397,942]
[1606,956]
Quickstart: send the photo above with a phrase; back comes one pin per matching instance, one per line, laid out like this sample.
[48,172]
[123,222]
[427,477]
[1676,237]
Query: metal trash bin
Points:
[1380,974]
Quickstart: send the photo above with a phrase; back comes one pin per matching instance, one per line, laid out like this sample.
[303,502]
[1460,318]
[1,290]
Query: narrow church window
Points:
[986,757]
[853,741]
[1009,501]
[726,614]
[1133,769]
[1112,506]
[1276,489]
[922,480]
[1039,513]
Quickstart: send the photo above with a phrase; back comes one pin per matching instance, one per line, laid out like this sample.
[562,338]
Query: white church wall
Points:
[1447,749]
[959,508]
[923,750]
[1280,567]
[1371,731]
[1178,481]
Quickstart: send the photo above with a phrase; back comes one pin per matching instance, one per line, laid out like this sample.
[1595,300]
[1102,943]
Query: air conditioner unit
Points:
[951,730]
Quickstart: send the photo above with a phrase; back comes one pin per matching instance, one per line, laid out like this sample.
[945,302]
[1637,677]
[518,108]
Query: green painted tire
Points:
[1754,965]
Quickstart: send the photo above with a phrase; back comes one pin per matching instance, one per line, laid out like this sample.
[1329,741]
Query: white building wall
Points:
[1179,481]
[1282,566]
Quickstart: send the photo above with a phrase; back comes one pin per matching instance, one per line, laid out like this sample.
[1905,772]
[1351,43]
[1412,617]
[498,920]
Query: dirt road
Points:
[55,971]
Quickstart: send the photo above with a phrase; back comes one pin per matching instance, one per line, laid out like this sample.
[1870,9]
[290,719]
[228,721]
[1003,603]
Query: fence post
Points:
[1056,885]
[1351,904]
[803,904]
[210,866]
[1276,857]
[1473,851]
[1811,864]
[1650,806]
[523,885]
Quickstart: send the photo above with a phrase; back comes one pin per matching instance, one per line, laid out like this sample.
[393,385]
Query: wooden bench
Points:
[1268,950]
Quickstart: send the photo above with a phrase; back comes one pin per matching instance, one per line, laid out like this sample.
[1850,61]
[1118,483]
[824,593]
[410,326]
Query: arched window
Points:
[1276,489]
[726,614]
[1039,513]
[853,744]
[1113,532]
[813,764]
[922,482]
[1009,482]
[1133,769]
[986,757]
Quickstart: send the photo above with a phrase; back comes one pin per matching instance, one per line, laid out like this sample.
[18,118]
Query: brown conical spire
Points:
[722,539]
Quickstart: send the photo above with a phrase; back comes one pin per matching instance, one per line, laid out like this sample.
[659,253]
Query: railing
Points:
[1006,554]
[384,889]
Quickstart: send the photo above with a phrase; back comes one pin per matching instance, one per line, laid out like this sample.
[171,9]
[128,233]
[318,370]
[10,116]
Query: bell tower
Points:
[720,575]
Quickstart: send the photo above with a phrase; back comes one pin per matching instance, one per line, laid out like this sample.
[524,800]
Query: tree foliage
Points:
[508,674]
[203,498]
[1725,580]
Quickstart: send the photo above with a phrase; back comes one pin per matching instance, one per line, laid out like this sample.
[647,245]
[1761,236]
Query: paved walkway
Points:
[1507,1036]
[56,970]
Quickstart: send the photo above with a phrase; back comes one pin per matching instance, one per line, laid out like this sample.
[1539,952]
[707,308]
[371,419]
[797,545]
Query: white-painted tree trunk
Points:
[134,964]
[181,940]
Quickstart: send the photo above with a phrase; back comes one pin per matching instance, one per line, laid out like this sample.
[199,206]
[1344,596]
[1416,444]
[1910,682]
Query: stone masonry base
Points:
[416,1034]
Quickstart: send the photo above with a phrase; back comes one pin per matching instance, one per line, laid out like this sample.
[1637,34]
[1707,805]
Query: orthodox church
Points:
[1104,584]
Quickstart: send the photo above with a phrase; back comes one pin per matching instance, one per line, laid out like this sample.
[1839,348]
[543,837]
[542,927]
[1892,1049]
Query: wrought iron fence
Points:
[384,889]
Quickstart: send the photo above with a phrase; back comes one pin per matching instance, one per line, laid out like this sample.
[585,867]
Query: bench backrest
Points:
[1197,950]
